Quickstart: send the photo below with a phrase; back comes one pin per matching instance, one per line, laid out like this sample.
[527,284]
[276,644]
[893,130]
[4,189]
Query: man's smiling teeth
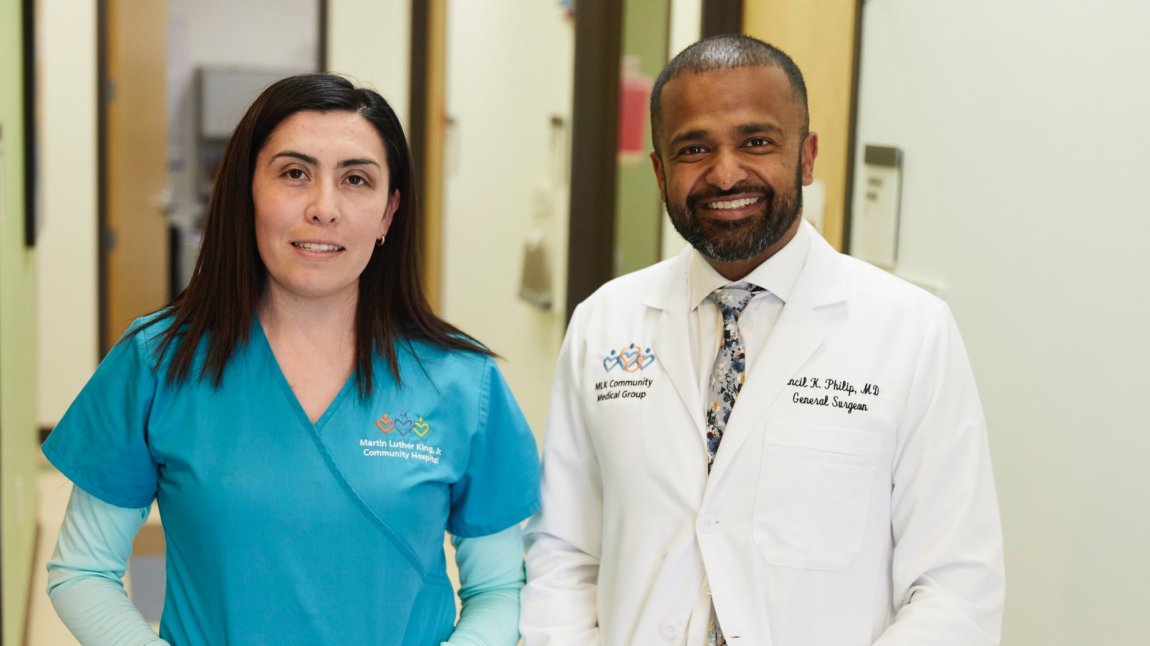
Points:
[314,246]
[733,204]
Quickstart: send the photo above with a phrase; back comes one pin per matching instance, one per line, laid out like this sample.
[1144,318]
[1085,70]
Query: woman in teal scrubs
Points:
[307,425]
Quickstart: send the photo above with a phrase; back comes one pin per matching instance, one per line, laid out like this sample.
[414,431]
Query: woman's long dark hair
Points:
[221,300]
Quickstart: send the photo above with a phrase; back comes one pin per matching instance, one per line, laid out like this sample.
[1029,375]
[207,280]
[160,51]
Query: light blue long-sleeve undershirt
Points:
[85,579]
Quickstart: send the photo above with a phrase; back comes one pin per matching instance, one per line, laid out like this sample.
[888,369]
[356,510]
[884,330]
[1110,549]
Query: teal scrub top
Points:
[280,531]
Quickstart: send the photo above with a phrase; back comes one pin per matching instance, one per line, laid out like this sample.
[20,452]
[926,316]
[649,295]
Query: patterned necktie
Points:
[726,381]
[730,363]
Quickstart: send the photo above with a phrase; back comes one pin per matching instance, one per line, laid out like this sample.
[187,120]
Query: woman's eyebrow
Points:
[357,162]
[308,159]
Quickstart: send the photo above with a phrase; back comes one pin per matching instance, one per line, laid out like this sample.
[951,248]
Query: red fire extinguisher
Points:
[634,93]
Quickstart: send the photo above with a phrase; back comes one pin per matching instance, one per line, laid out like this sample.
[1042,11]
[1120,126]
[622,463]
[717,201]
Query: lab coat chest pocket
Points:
[814,495]
[621,412]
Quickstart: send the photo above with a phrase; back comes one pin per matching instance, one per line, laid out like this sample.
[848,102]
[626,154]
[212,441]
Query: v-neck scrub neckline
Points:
[260,339]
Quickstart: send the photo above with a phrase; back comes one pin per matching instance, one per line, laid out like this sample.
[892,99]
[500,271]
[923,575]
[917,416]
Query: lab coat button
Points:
[708,524]
[669,630]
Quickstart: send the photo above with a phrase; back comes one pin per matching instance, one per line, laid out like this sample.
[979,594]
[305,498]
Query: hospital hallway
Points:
[987,152]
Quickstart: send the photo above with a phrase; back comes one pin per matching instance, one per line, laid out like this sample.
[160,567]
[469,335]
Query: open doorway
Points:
[176,76]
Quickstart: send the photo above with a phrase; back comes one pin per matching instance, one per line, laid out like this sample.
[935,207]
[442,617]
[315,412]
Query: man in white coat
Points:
[848,500]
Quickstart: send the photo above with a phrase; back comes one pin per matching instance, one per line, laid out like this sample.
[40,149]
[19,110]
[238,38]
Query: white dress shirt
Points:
[777,276]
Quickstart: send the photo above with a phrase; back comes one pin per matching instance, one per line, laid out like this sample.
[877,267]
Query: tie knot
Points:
[733,298]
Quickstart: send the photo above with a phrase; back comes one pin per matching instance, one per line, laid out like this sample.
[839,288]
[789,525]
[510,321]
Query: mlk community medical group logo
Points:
[629,359]
[625,362]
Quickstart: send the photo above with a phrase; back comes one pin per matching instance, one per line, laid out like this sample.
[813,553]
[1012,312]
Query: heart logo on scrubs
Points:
[403,424]
[421,428]
[385,423]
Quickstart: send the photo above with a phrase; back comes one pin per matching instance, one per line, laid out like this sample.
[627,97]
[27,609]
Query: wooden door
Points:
[822,37]
[429,131]
[134,247]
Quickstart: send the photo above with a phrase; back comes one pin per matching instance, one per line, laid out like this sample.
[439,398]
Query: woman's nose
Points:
[322,207]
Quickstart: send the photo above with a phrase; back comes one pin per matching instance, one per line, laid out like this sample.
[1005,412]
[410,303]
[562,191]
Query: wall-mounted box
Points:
[874,231]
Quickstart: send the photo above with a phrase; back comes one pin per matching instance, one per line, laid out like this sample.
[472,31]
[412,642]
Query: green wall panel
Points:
[18,434]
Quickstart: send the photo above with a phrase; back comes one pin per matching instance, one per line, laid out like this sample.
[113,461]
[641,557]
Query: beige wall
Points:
[686,24]
[819,36]
[370,41]
[68,347]
[18,434]
[1023,127]
[509,70]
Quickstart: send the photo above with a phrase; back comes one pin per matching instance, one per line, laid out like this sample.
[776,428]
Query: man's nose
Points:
[726,171]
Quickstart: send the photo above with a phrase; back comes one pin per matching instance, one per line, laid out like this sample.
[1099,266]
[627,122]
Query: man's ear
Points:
[657,164]
[810,151]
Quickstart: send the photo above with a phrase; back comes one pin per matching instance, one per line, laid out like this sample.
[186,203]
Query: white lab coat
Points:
[831,516]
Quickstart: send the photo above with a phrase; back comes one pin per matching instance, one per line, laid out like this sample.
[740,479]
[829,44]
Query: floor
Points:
[44,628]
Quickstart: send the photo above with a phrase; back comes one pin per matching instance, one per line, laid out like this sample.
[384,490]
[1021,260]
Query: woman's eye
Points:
[357,180]
[295,173]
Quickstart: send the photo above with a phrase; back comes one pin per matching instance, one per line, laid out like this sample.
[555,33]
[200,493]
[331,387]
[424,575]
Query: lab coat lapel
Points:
[671,343]
[814,305]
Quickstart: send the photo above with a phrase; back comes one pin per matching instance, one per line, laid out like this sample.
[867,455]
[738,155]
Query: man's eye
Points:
[692,150]
[758,141]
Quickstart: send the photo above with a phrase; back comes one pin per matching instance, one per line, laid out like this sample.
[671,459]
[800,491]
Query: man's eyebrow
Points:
[690,135]
[744,130]
[755,128]
[308,159]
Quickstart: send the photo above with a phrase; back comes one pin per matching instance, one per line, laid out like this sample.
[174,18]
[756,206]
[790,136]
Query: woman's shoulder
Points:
[428,352]
[434,364]
[149,337]
[148,331]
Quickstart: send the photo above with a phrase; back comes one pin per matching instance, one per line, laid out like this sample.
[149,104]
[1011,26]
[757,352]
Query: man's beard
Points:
[742,240]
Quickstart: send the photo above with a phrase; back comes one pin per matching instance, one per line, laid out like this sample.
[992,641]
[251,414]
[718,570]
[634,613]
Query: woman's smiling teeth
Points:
[727,205]
[316,246]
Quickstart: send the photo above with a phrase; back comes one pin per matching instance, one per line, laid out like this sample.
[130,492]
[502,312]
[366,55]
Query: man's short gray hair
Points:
[728,51]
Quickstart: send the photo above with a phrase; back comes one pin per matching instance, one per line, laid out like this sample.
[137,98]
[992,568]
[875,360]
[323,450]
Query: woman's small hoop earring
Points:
[379,241]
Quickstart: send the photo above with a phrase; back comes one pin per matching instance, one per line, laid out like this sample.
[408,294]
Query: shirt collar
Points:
[776,274]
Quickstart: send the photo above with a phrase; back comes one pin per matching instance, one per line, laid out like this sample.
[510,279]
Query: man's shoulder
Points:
[634,286]
[872,281]
[878,294]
